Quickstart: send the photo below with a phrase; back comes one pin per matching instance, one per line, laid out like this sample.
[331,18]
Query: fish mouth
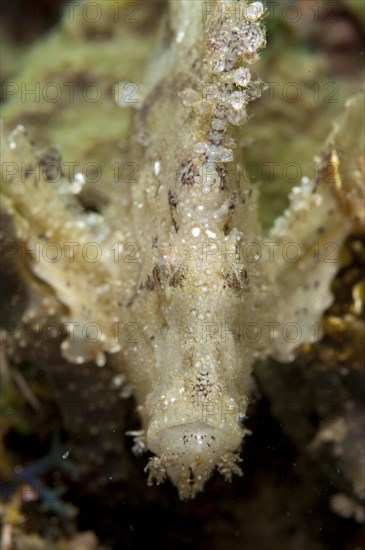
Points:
[194,438]
[188,453]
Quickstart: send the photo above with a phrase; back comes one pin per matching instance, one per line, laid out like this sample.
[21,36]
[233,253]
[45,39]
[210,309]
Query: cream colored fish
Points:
[186,294]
